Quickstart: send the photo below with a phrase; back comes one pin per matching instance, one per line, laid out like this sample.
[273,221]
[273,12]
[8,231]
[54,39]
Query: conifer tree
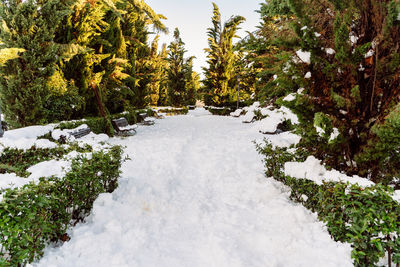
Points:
[221,59]
[192,82]
[351,80]
[24,89]
[177,71]
[158,64]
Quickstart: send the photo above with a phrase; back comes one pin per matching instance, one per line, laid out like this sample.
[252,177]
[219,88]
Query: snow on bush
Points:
[274,118]
[25,138]
[312,169]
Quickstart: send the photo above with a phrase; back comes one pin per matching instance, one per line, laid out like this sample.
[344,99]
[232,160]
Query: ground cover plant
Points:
[367,218]
[36,214]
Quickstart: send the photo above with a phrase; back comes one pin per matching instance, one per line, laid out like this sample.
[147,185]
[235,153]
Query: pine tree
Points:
[221,59]
[24,89]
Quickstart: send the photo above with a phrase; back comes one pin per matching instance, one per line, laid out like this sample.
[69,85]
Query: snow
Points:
[308,75]
[312,169]
[237,113]
[285,139]
[195,194]
[335,134]
[249,117]
[396,195]
[25,138]
[57,168]
[290,97]
[317,34]
[304,56]
[330,51]
[128,127]
[275,117]
[370,53]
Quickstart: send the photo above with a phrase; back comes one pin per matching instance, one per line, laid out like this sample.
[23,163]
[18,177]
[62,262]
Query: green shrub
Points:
[99,125]
[220,111]
[174,111]
[368,218]
[19,160]
[36,214]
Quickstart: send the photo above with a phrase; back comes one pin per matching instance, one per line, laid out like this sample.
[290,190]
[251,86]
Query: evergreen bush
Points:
[367,218]
[36,214]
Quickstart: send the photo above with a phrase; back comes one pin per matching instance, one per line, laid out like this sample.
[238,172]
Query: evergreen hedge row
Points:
[367,218]
[99,125]
[36,214]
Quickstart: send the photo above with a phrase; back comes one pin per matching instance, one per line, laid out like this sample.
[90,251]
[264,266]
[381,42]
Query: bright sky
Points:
[193,17]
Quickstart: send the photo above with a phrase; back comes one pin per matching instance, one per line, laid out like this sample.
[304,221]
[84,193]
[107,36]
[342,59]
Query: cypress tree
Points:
[31,26]
[177,71]
[221,59]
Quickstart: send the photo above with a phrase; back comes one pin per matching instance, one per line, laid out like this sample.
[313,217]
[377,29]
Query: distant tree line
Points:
[64,60]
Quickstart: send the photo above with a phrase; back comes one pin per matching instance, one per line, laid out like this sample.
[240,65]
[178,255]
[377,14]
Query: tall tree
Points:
[177,71]
[221,57]
[28,25]
[345,55]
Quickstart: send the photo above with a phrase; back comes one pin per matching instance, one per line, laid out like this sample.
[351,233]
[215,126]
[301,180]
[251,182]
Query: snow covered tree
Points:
[220,59]
[28,26]
[344,54]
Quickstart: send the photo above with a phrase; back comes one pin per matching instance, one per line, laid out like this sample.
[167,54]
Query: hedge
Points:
[225,111]
[100,125]
[367,218]
[17,161]
[174,111]
[36,214]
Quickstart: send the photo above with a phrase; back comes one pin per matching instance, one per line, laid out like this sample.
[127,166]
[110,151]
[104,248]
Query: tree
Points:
[30,26]
[192,82]
[221,59]
[158,64]
[177,71]
[351,79]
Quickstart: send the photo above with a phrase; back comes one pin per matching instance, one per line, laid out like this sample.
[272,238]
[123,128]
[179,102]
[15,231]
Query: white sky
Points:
[194,17]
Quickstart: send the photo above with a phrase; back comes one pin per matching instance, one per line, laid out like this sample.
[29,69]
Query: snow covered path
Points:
[193,195]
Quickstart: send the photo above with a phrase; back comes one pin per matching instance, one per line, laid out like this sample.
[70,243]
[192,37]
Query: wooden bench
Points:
[146,119]
[3,128]
[76,133]
[122,127]
[80,133]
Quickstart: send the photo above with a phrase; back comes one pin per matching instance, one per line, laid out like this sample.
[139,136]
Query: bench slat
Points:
[122,126]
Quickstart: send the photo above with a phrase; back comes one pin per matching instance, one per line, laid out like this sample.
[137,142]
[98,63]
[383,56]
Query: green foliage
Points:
[99,125]
[355,82]
[174,111]
[34,215]
[368,218]
[28,27]
[221,60]
[220,111]
[176,72]
[381,155]
[18,160]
